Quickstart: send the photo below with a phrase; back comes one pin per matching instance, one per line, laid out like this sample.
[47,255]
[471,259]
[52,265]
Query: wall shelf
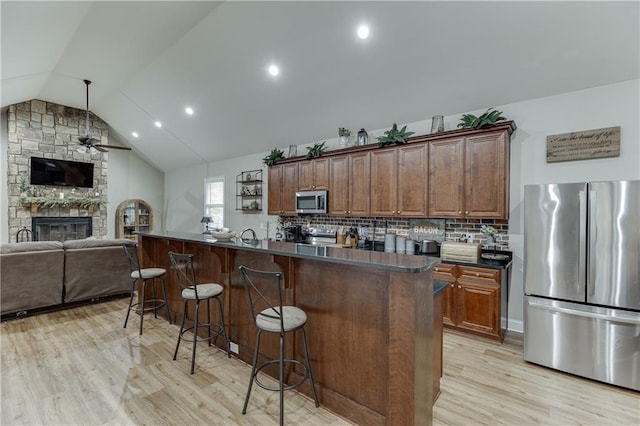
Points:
[133,216]
[249,191]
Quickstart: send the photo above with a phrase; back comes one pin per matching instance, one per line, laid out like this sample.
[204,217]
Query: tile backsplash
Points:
[455,229]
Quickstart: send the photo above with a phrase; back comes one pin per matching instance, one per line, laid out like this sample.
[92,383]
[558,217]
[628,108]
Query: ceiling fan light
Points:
[93,151]
[82,149]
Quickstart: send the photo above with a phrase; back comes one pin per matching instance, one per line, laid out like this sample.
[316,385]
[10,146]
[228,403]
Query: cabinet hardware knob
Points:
[399,212]
[459,286]
[437,269]
[345,212]
[466,212]
[452,285]
[459,211]
[477,274]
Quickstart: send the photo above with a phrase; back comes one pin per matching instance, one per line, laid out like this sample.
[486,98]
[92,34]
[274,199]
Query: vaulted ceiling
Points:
[149,60]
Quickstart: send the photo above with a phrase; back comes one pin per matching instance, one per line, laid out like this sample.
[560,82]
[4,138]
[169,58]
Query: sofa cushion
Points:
[93,243]
[30,246]
[97,271]
[31,278]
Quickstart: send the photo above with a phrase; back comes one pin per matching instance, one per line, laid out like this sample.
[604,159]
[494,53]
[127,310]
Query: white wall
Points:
[129,176]
[604,106]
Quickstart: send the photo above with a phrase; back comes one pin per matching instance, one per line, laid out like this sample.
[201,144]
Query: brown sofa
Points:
[50,273]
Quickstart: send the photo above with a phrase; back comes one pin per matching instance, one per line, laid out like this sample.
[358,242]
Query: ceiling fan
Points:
[86,141]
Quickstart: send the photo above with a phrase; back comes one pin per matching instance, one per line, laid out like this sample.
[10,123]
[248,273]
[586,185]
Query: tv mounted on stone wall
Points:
[48,171]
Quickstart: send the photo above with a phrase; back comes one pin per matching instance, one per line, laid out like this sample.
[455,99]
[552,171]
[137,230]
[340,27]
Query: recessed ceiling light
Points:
[135,134]
[363,31]
[189,110]
[158,124]
[274,70]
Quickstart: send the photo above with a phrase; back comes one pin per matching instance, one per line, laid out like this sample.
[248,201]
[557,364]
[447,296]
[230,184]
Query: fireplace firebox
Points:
[61,228]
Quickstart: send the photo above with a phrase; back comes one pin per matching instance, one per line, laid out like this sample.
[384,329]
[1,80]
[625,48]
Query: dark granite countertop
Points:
[362,258]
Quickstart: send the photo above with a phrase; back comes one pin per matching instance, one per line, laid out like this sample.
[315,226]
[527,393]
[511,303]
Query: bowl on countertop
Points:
[223,235]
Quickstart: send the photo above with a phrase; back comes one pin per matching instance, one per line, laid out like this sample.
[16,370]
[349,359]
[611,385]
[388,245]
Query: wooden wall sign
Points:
[585,145]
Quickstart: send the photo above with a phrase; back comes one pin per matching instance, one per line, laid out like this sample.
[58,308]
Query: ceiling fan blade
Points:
[86,140]
[99,148]
[113,147]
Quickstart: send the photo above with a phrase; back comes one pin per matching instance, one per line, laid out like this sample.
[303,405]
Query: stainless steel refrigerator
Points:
[582,279]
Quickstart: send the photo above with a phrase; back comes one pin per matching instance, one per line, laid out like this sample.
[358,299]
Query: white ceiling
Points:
[148,60]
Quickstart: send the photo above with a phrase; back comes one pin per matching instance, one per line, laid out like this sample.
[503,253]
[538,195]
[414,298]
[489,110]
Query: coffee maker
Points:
[293,234]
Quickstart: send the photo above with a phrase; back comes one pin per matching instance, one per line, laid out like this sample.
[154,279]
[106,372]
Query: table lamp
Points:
[206,220]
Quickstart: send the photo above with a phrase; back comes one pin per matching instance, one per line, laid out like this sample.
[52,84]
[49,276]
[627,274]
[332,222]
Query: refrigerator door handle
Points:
[583,253]
[591,277]
[627,319]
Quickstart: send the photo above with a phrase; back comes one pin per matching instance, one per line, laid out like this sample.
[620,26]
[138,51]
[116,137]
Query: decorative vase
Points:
[491,239]
[437,124]
[344,141]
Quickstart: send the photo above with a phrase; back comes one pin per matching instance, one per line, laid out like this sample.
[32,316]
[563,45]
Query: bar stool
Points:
[190,290]
[273,317]
[144,275]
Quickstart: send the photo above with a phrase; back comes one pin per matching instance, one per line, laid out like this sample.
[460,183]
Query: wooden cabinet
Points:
[474,301]
[399,181]
[283,184]
[133,216]
[469,176]
[313,175]
[349,184]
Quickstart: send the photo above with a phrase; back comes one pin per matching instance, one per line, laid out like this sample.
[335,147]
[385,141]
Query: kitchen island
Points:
[370,318]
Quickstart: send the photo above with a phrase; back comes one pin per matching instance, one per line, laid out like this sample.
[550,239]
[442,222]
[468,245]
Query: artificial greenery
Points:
[344,132]
[489,231]
[275,155]
[315,150]
[488,119]
[83,202]
[24,185]
[394,136]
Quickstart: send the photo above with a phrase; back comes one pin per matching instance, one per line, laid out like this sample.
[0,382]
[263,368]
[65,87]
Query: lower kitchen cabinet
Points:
[475,300]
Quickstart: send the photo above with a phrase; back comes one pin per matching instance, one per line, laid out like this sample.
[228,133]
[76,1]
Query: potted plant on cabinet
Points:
[394,135]
[344,136]
[315,150]
[490,232]
[275,155]
[488,119]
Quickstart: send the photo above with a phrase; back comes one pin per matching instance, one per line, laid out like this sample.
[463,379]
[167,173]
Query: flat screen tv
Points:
[47,171]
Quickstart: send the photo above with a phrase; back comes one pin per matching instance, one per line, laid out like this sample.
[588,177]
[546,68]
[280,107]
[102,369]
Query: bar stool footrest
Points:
[157,304]
[287,387]
[200,338]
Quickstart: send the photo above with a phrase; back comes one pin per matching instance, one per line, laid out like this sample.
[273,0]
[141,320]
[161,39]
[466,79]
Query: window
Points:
[214,201]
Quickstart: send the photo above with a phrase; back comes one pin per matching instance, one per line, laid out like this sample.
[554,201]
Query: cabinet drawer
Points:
[444,269]
[479,275]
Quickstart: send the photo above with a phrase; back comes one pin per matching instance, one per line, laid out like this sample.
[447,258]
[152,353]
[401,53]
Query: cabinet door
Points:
[289,188]
[478,300]
[412,181]
[445,272]
[321,173]
[446,178]
[359,184]
[305,176]
[338,185]
[384,181]
[274,190]
[486,176]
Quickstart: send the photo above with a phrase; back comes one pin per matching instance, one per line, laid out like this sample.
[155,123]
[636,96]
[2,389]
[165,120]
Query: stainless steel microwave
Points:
[311,202]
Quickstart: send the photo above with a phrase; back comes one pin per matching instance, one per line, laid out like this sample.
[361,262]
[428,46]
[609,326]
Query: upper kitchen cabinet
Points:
[349,184]
[469,176]
[399,181]
[283,184]
[313,175]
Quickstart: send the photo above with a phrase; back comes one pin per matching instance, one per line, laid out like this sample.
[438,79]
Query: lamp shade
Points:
[205,219]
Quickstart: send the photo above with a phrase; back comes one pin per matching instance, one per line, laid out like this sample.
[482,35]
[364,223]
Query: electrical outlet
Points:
[234,347]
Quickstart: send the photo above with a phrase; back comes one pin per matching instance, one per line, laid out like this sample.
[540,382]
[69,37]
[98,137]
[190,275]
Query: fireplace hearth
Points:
[61,228]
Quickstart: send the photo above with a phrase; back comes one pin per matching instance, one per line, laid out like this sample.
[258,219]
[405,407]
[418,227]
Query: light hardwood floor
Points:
[80,366]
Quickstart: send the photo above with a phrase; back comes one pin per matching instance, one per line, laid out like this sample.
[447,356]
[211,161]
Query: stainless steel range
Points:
[582,279]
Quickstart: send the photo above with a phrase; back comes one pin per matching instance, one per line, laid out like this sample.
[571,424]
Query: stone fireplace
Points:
[43,129]
[61,228]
